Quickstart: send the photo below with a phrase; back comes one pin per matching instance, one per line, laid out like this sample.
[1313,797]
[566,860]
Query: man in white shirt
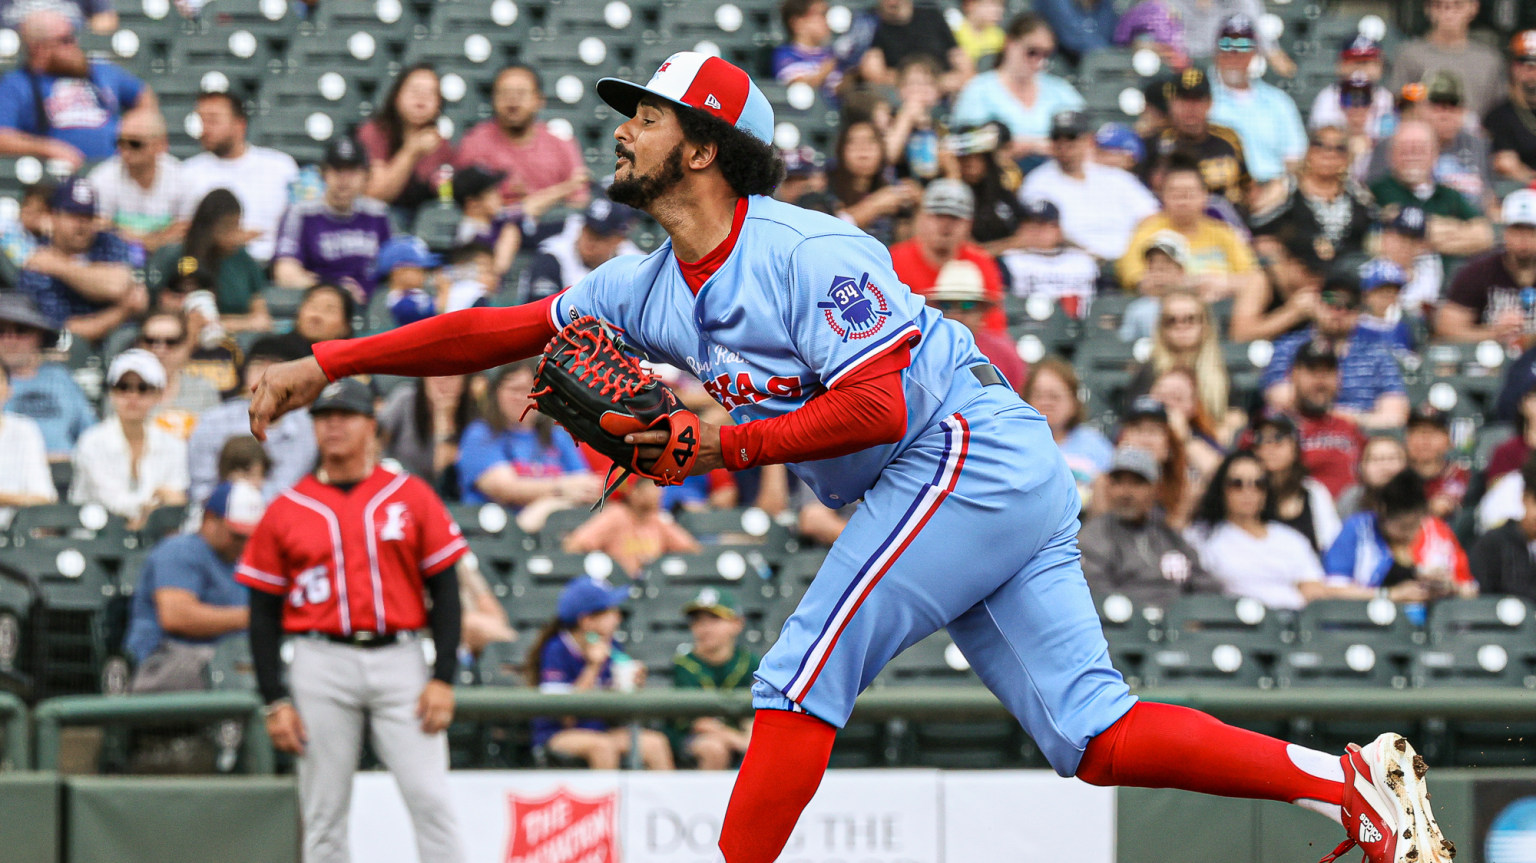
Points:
[258,176]
[140,190]
[1100,206]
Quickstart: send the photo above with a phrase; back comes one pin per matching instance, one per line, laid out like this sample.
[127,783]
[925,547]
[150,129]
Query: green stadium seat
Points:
[15,620]
[394,23]
[502,21]
[1378,622]
[267,20]
[237,54]
[1243,622]
[555,567]
[1131,631]
[357,54]
[1204,659]
[561,522]
[724,567]
[747,526]
[462,55]
[163,521]
[502,664]
[934,661]
[1339,659]
[69,619]
[1496,616]
[76,521]
[437,224]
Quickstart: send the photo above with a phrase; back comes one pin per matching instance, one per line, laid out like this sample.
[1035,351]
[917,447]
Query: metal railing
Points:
[154,709]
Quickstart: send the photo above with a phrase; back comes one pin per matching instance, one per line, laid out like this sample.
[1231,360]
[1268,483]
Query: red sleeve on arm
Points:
[457,343]
[867,408]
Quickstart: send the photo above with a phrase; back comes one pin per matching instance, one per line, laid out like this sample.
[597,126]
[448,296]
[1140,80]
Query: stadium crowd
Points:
[1395,214]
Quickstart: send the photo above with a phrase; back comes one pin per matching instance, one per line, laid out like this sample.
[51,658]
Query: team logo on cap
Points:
[860,306]
[332,390]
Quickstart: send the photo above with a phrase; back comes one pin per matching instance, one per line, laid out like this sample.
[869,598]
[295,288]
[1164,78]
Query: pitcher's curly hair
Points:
[750,166]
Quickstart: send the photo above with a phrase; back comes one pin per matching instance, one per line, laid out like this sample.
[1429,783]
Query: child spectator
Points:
[633,529]
[716,663]
[486,220]
[126,464]
[1166,271]
[25,479]
[1381,284]
[807,57]
[403,267]
[1397,546]
[980,31]
[576,652]
[1047,266]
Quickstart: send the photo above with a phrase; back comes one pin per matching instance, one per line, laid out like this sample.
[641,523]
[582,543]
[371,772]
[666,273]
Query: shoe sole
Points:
[1400,779]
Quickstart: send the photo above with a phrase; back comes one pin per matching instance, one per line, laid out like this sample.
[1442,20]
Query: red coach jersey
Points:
[352,561]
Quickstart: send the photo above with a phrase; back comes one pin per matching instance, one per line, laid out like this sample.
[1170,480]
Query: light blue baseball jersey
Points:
[803,300]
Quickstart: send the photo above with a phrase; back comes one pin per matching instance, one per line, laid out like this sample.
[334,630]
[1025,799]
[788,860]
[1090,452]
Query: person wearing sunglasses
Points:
[127,463]
[1019,93]
[1511,125]
[186,394]
[1448,46]
[1301,501]
[140,188]
[1100,206]
[1243,544]
[1264,116]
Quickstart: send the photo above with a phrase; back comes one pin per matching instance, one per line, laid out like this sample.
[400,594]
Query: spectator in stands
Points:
[1187,418]
[1362,137]
[187,598]
[1245,547]
[587,241]
[1053,390]
[1286,302]
[243,460]
[1319,203]
[1222,263]
[862,185]
[912,137]
[1186,338]
[22,237]
[1509,455]
[25,479]
[485,620]
[1019,93]
[904,30]
[716,663]
[60,104]
[98,15]
[633,529]
[1453,226]
[998,225]
[1116,145]
[940,235]
[290,442]
[576,652]
[1371,390]
[486,220]
[186,394]
[960,294]
[1130,549]
[521,462]
[1502,560]
[1397,546]
[1166,271]
[216,247]
[1100,206]
[1146,426]
[1428,444]
[804,174]
[82,279]
[1519,379]
[1511,125]
[1216,149]
[1382,458]
[541,167]
[1401,239]
[1464,163]
[407,270]
[1274,138]
[406,152]
[1360,60]
[215,353]
[325,312]
[1203,20]
[1154,24]
[43,392]
[1045,265]
[126,463]
[1488,297]
[1447,47]
[259,177]
[422,421]
[1381,282]
[140,189]
[807,57]
[980,32]
[334,238]
[1330,441]
[1081,26]
[471,277]
[1503,501]
[1301,502]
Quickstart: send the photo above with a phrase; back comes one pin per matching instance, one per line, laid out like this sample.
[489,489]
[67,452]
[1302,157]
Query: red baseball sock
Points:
[778,777]
[1163,746]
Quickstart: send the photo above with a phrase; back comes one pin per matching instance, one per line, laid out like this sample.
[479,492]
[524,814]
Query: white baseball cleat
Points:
[1386,805]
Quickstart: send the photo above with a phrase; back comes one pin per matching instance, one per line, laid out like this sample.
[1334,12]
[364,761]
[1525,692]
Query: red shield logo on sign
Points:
[564,827]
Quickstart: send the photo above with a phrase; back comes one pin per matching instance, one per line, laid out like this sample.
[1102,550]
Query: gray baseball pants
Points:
[337,689]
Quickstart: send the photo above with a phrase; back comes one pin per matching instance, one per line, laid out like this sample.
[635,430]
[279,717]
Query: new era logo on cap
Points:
[711,102]
[699,81]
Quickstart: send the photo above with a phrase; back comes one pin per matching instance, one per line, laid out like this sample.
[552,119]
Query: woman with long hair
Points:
[1301,502]
[1176,389]
[1186,338]
[404,147]
[1146,427]
[576,652]
[1053,391]
[861,182]
[1242,543]
[1019,93]
[1382,458]
[422,421]
[214,246]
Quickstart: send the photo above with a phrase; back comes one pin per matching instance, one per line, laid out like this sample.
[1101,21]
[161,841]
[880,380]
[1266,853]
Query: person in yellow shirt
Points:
[1220,261]
[980,34]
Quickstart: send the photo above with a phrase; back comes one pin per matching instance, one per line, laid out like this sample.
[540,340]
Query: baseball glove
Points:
[586,383]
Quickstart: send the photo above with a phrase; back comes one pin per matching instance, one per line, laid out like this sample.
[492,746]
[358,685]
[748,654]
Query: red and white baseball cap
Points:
[700,81]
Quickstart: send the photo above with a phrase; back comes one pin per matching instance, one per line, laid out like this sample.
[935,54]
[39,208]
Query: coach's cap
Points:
[1146,407]
[1409,221]
[140,362]
[348,395]
[1172,244]
[474,181]
[586,595]
[1381,273]
[715,600]
[1360,47]
[404,251]
[1119,138]
[605,218]
[1519,208]
[344,152]
[1137,462]
[959,282]
[74,195]
[700,81]
[949,198]
[239,503]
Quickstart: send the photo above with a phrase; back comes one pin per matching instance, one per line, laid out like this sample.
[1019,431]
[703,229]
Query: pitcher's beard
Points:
[640,191]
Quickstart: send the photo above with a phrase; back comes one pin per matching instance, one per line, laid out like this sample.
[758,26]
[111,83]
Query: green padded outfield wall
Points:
[29,817]
[214,820]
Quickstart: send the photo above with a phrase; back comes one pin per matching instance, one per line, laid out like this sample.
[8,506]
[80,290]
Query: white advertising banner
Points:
[868,816]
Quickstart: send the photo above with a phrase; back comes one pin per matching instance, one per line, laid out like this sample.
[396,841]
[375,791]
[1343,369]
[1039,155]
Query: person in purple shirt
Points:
[336,237]
[60,105]
[1154,22]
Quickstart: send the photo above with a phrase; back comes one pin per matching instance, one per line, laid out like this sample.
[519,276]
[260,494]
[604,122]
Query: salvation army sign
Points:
[563,827]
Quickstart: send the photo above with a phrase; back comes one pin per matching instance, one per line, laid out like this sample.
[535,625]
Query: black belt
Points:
[989,376]
[365,639]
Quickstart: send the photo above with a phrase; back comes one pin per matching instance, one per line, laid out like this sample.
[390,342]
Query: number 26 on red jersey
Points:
[311,586]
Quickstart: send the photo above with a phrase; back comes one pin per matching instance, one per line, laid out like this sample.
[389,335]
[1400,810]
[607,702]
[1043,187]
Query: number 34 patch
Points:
[855,308]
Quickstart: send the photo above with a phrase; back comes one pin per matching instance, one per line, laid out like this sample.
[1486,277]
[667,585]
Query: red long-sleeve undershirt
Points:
[866,408]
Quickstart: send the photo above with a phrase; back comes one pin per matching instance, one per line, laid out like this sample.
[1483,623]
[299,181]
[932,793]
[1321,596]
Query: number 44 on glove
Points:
[587,384]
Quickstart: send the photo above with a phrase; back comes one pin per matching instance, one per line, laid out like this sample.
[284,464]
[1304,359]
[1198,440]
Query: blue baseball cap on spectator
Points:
[404,251]
[74,195]
[587,595]
[1380,273]
[1119,138]
[1409,221]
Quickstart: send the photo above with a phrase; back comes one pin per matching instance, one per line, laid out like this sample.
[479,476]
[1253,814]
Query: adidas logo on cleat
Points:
[1368,831]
